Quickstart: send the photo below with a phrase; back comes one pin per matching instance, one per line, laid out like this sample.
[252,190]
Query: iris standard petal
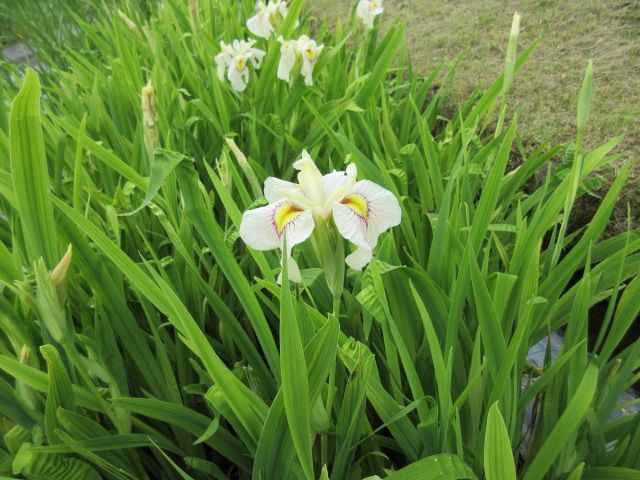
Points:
[332,185]
[309,178]
[281,7]
[337,184]
[287,61]
[276,189]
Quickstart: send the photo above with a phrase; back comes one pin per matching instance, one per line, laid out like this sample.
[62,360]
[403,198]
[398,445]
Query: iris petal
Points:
[287,61]
[362,215]
[358,204]
[260,26]
[309,178]
[263,228]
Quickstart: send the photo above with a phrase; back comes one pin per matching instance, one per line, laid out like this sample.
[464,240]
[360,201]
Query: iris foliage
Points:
[141,339]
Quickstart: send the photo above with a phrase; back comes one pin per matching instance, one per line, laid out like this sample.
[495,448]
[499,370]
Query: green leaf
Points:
[611,473]
[565,427]
[247,405]
[15,408]
[60,393]
[213,236]
[435,467]
[498,457]
[491,332]
[491,191]
[209,432]
[295,386]
[163,163]
[38,380]
[184,475]
[191,421]
[41,466]
[30,173]
[93,457]
[275,450]
[381,68]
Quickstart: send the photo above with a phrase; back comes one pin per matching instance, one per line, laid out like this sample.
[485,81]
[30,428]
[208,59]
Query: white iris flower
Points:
[367,10]
[361,211]
[266,19]
[303,51]
[234,59]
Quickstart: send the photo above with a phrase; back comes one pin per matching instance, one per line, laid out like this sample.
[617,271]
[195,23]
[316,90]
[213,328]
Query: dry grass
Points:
[569,32]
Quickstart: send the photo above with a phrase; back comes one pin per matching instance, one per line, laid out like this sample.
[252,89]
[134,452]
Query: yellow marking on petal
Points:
[358,204]
[284,214]
[311,54]
[240,63]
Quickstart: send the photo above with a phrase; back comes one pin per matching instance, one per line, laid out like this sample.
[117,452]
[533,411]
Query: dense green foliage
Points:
[160,346]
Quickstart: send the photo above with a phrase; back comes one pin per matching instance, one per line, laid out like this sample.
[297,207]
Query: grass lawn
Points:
[545,92]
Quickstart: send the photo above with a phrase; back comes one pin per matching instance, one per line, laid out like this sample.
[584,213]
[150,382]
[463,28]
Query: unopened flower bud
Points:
[59,275]
[515,25]
[149,116]
[25,354]
[28,394]
[129,23]
[193,14]
[510,62]
[50,310]
[224,171]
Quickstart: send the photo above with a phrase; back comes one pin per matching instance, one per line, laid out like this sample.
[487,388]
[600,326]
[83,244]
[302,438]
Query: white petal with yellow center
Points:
[264,228]
[309,51]
[233,59]
[362,215]
[238,77]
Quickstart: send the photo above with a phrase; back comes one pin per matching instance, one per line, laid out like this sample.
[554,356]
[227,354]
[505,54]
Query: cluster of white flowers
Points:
[361,211]
[267,17]
[303,52]
[234,58]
